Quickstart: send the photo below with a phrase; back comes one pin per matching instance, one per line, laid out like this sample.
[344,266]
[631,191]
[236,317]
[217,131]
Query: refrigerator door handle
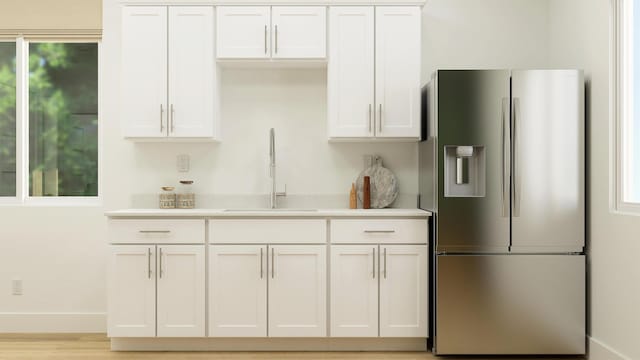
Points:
[516,158]
[504,194]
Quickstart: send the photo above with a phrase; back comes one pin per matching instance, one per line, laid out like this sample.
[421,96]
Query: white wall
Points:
[580,38]
[60,252]
[485,34]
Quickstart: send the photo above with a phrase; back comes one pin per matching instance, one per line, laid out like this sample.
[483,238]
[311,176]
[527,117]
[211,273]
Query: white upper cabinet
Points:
[144,71]
[404,303]
[354,291]
[299,32]
[168,72]
[132,291]
[243,32]
[398,71]
[181,291]
[297,291]
[353,78]
[238,291]
[192,72]
[350,71]
[264,32]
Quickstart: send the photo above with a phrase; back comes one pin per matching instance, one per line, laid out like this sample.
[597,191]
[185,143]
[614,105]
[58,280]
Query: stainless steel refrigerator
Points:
[502,167]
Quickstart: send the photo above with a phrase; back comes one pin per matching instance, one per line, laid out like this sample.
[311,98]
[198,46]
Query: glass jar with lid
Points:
[185,198]
[167,198]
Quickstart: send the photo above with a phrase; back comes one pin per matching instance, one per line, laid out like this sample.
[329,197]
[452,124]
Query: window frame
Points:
[621,84]
[22,196]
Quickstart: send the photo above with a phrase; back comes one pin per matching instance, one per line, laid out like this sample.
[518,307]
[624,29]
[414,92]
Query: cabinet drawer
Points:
[402,231]
[273,231]
[127,231]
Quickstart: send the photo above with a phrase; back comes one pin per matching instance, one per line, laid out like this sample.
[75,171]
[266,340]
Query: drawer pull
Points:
[379,231]
[154,231]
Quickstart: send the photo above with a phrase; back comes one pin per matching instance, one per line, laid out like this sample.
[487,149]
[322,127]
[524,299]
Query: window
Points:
[626,105]
[7,118]
[50,149]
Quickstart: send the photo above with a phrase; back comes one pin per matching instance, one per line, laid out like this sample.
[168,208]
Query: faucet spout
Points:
[272,171]
[272,147]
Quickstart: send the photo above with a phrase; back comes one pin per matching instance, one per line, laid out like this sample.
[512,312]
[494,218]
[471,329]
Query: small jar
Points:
[186,199]
[167,198]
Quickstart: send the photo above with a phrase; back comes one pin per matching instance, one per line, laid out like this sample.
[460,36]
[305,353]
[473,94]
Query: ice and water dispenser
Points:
[464,171]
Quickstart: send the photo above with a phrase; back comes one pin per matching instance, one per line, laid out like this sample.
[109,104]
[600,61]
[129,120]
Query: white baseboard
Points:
[601,351]
[53,322]
[268,344]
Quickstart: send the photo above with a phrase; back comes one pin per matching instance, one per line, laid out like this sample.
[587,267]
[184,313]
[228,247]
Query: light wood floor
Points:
[96,346]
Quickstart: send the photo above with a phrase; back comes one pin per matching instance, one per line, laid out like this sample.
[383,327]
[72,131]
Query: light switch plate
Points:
[183,163]
[16,287]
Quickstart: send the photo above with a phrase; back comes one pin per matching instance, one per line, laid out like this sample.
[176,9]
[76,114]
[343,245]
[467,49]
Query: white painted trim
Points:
[619,96]
[269,344]
[601,351]
[53,322]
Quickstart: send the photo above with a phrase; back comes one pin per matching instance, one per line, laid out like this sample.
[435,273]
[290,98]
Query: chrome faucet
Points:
[272,171]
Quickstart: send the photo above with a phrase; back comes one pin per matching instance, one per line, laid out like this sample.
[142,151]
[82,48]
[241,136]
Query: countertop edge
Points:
[221,213]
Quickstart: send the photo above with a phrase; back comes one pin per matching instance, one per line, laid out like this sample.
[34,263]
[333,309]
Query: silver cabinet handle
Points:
[149,263]
[516,157]
[154,231]
[504,195]
[160,260]
[273,264]
[374,263]
[369,118]
[171,116]
[379,231]
[276,39]
[385,263]
[380,119]
[261,263]
[265,39]
[161,118]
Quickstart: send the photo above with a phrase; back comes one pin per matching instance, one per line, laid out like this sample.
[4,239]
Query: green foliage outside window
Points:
[63,119]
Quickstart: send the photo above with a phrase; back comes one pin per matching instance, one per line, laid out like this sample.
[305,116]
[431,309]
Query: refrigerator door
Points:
[548,161]
[510,304]
[473,110]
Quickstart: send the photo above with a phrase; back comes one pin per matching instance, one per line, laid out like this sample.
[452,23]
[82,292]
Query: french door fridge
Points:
[502,168]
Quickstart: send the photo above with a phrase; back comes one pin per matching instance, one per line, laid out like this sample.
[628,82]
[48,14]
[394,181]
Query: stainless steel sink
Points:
[269,210]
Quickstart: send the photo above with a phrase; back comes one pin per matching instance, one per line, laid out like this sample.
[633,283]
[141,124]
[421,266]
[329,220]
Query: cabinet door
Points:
[350,71]
[144,71]
[238,291]
[192,71]
[404,285]
[132,291]
[398,71]
[181,290]
[243,32]
[299,32]
[354,291]
[297,291]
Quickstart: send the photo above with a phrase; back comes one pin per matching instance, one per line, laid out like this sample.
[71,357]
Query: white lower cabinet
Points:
[132,291]
[237,291]
[181,291]
[296,279]
[354,291]
[156,290]
[404,302]
[297,291]
[395,274]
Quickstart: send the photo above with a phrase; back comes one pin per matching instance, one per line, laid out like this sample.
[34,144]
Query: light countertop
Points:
[268,213]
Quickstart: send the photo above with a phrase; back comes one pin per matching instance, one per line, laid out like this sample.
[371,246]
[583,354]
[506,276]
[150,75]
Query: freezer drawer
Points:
[510,304]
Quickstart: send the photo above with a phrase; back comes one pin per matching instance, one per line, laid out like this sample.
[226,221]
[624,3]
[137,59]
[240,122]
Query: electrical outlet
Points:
[16,287]
[183,163]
